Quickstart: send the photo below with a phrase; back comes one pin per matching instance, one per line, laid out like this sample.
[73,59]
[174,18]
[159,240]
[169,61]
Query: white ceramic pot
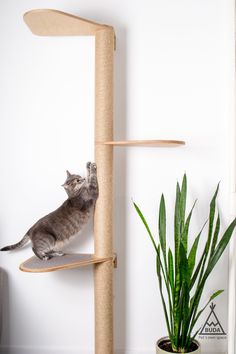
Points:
[161,351]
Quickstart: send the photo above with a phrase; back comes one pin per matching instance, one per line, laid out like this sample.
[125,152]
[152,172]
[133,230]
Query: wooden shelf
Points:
[68,261]
[47,22]
[147,143]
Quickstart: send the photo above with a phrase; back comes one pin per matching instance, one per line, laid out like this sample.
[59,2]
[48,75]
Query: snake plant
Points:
[181,274]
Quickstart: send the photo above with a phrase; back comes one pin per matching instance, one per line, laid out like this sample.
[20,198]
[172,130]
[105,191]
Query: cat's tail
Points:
[19,244]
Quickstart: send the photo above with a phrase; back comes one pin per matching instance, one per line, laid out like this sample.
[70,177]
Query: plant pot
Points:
[166,339]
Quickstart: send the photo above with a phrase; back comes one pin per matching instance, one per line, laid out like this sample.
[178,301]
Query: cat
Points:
[51,232]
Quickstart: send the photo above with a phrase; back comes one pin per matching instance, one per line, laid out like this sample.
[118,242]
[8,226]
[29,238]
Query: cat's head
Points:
[73,184]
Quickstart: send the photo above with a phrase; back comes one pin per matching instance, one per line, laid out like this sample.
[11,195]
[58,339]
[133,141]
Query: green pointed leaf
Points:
[192,256]
[176,299]
[146,225]
[185,234]
[159,267]
[215,236]
[220,248]
[183,196]
[171,270]
[162,225]
[218,292]
[158,262]
[197,270]
[211,218]
[185,315]
[177,286]
[184,269]
[177,224]
[180,314]
[201,266]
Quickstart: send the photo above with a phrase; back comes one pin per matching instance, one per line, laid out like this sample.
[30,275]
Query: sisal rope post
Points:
[103,245]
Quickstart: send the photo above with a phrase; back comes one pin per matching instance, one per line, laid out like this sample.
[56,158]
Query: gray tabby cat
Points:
[49,233]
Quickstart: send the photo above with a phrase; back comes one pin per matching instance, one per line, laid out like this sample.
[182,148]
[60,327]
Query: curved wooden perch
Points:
[68,261]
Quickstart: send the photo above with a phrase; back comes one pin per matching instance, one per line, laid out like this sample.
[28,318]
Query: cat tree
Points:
[56,23]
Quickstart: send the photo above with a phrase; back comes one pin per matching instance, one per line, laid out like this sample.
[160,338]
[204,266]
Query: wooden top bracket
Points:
[47,22]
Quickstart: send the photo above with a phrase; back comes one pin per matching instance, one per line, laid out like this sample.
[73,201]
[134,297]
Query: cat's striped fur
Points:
[49,233]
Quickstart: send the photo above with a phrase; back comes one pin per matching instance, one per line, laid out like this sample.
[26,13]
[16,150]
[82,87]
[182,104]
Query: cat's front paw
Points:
[88,165]
[93,167]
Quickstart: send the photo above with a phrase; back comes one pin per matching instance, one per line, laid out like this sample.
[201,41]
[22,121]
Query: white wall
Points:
[174,80]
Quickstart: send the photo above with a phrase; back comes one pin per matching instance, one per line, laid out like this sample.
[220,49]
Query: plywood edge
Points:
[147,143]
[49,22]
[46,266]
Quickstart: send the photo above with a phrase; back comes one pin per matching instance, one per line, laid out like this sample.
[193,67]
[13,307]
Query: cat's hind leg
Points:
[41,255]
[43,245]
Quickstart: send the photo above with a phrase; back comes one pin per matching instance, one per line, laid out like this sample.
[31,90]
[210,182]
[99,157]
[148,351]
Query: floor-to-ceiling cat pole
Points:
[56,23]
[103,229]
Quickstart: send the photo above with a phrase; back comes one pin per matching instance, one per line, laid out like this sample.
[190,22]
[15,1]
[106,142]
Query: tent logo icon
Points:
[212,326]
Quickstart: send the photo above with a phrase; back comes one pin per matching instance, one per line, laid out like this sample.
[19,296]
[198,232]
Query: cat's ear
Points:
[68,173]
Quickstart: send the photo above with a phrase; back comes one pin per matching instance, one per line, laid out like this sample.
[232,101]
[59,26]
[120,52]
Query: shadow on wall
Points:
[120,162]
[4,311]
